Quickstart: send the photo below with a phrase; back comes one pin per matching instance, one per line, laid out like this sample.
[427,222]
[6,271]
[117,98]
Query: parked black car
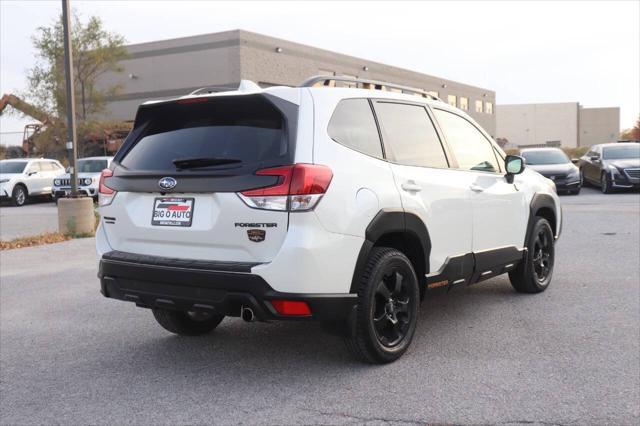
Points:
[612,166]
[554,164]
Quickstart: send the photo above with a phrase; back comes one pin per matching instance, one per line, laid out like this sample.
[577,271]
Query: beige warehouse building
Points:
[171,68]
[556,124]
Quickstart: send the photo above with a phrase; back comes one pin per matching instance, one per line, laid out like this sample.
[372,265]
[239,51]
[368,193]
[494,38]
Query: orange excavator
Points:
[104,141]
[31,129]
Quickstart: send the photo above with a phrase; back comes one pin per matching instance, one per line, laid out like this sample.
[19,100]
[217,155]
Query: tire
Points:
[387,311]
[19,195]
[534,274]
[186,323]
[605,185]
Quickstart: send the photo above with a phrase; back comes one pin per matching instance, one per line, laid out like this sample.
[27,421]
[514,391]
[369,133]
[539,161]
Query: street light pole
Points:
[72,137]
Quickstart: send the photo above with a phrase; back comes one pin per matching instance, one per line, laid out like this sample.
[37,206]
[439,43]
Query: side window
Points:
[34,167]
[46,166]
[409,135]
[471,148]
[353,126]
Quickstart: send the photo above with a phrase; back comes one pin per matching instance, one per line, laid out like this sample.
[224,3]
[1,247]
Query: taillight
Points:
[291,307]
[299,188]
[105,194]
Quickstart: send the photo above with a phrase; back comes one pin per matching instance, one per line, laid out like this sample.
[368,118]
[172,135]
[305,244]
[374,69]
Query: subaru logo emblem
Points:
[167,183]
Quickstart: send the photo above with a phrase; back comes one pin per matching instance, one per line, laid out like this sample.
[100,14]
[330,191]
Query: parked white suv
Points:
[341,205]
[89,171]
[22,178]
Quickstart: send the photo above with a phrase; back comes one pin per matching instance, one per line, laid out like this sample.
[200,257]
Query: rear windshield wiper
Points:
[194,163]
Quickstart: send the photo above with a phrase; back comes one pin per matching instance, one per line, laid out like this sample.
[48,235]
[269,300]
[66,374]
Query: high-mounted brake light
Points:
[299,188]
[291,307]
[105,194]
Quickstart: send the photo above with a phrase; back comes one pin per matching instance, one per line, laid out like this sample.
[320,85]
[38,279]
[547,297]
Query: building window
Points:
[434,93]
[464,103]
[451,99]
[478,106]
[488,107]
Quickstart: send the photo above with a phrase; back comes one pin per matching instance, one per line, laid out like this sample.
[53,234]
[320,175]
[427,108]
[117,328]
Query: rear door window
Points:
[352,125]
[248,129]
[409,135]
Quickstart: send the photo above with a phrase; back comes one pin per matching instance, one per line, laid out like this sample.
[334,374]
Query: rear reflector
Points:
[291,307]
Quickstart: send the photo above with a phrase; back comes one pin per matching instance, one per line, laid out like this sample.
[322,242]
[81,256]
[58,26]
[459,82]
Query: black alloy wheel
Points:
[391,315]
[541,259]
[385,319]
[533,274]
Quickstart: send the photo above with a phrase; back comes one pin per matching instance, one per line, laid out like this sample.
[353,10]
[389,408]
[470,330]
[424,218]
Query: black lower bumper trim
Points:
[158,282]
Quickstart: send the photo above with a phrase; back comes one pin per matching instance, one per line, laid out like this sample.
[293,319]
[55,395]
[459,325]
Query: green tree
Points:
[96,51]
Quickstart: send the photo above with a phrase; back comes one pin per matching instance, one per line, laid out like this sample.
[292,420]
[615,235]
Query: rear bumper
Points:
[214,287]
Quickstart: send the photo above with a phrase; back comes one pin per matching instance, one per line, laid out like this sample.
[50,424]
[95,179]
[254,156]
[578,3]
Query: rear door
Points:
[428,188]
[178,174]
[37,178]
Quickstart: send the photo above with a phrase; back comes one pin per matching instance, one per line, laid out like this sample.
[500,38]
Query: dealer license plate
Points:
[172,211]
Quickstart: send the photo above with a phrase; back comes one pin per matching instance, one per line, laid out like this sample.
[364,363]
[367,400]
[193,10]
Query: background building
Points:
[556,124]
[176,67]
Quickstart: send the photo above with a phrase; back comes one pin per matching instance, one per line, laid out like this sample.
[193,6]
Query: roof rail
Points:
[363,83]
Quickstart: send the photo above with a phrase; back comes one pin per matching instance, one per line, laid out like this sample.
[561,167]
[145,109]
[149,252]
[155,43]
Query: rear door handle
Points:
[411,186]
[476,188]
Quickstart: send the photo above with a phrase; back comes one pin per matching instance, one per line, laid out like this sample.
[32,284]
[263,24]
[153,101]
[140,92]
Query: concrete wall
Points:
[538,124]
[170,68]
[296,62]
[598,125]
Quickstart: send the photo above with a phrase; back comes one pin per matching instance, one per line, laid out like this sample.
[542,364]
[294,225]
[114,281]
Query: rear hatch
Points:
[178,175]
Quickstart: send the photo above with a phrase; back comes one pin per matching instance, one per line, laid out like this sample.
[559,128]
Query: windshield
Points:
[12,166]
[91,166]
[621,152]
[244,129]
[545,157]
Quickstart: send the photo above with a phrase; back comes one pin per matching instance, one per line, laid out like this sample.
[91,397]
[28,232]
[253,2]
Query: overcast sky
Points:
[587,52]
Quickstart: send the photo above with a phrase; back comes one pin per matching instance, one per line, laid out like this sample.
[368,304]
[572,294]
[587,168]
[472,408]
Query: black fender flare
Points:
[389,221]
[540,201]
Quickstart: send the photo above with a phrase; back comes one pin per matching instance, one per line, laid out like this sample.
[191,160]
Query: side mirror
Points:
[575,160]
[514,165]
[595,158]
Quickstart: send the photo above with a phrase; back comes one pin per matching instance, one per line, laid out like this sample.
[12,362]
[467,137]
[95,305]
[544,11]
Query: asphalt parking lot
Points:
[40,215]
[482,354]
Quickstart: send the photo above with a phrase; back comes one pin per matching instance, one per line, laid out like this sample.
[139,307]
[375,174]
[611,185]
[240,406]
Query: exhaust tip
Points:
[247,314]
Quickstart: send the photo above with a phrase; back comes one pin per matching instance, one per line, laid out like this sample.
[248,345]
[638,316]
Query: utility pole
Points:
[72,138]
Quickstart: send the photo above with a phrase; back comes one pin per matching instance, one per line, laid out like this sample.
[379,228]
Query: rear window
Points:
[245,128]
[91,166]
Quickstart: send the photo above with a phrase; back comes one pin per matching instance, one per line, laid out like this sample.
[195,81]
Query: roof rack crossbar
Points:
[361,82]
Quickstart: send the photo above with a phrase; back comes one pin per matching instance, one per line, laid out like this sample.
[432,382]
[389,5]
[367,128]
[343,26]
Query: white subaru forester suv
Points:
[341,205]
